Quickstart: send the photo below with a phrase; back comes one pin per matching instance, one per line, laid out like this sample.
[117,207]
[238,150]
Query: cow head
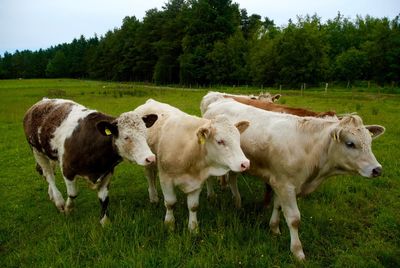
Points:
[352,146]
[129,134]
[221,139]
[267,97]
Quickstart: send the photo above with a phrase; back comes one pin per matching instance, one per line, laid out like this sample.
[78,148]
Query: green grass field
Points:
[349,221]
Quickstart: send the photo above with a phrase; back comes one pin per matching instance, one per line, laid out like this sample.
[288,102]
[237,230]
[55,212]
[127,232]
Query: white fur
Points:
[131,140]
[67,127]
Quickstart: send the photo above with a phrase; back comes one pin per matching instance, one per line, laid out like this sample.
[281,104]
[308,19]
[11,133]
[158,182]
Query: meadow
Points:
[349,221]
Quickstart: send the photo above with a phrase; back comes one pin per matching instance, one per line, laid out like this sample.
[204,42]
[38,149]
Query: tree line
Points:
[202,42]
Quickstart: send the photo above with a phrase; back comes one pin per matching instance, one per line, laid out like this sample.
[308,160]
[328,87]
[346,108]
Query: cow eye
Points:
[350,144]
[221,142]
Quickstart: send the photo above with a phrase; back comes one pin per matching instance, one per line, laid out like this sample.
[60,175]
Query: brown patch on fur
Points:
[39,169]
[269,106]
[295,223]
[89,153]
[194,208]
[46,116]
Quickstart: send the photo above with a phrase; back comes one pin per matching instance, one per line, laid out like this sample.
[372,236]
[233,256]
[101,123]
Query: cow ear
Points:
[149,119]
[276,97]
[242,126]
[107,129]
[335,134]
[375,130]
[203,133]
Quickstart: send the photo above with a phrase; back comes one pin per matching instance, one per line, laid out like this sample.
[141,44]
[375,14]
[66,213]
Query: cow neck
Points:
[111,170]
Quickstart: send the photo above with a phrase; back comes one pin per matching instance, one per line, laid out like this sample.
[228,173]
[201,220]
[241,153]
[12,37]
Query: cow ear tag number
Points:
[108,132]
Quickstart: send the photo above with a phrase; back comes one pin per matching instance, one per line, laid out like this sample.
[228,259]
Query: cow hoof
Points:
[170,225]
[105,221]
[194,229]
[300,256]
[154,200]
[275,230]
[297,251]
[238,204]
[60,206]
[69,206]
[67,210]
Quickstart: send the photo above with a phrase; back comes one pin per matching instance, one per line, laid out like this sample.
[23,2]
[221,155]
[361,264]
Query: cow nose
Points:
[376,172]
[245,165]
[150,159]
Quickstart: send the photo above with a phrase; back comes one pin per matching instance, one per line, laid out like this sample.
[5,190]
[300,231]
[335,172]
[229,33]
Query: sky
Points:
[35,24]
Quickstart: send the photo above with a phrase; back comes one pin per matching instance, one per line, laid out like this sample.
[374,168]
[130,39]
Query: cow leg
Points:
[72,193]
[234,189]
[287,198]
[151,175]
[169,202]
[193,205]
[210,188]
[102,194]
[267,195]
[48,172]
[223,180]
[274,221]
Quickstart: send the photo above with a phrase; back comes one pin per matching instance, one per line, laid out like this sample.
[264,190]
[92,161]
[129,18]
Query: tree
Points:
[57,66]
[169,46]
[350,65]
[302,52]
[262,62]
[210,21]
[228,61]
[213,41]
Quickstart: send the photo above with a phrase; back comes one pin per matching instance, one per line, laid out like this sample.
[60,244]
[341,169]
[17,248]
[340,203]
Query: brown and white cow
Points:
[264,102]
[86,143]
[189,149]
[296,154]
[274,107]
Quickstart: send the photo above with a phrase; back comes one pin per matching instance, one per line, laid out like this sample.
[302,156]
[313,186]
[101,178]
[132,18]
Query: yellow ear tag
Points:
[334,137]
[108,132]
[370,133]
[202,140]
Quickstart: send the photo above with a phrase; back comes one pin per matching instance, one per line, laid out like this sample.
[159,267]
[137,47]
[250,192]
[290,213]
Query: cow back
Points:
[41,121]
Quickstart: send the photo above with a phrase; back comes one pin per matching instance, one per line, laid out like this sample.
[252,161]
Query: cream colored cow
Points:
[188,150]
[296,154]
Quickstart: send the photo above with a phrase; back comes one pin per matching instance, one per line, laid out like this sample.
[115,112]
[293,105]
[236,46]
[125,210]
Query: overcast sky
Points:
[34,24]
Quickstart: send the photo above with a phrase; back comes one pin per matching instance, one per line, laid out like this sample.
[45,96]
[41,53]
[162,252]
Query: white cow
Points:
[296,154]
[188,150]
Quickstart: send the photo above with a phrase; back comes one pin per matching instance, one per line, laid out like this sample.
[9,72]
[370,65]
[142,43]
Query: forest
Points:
[215,42]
